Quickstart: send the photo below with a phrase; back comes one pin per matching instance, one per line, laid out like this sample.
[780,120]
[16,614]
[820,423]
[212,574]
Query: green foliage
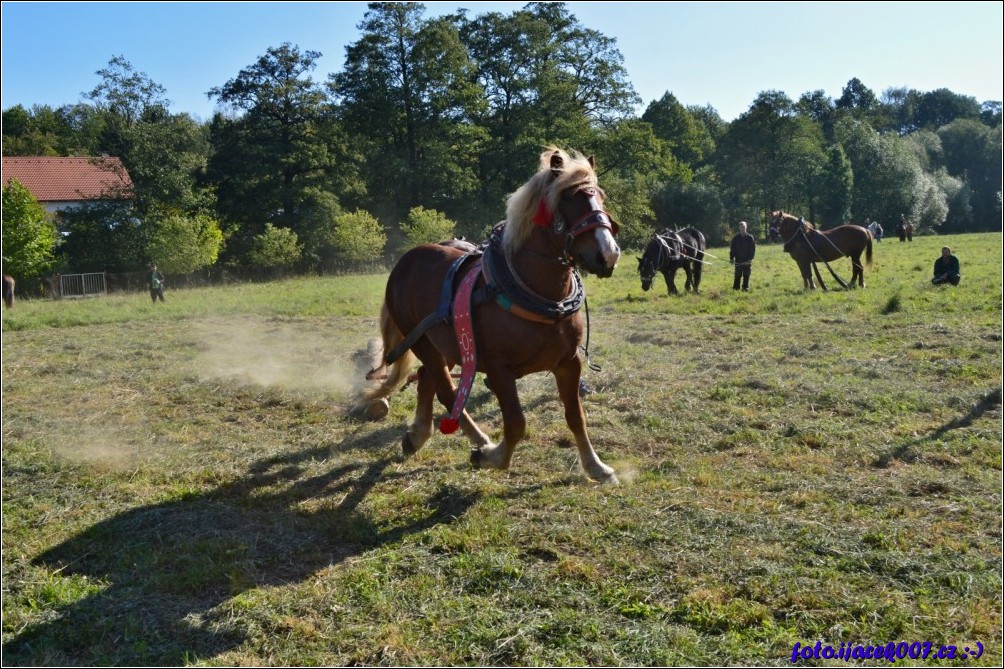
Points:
[836,188]
[182,244]
[358,236]
[771,157]
[888,178]
[426,226]
[407,93]
[70,130]
[281,145]
[318,213]
[29,236]
[688,138]
[104,237]
[275,248]
[693,205]
[163,153]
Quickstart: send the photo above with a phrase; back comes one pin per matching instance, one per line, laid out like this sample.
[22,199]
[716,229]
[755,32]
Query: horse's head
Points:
[788,225]
[563,204]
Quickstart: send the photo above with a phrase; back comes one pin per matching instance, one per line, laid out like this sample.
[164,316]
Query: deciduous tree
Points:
[29,236]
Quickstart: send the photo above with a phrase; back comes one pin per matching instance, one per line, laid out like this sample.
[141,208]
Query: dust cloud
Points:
[293,356]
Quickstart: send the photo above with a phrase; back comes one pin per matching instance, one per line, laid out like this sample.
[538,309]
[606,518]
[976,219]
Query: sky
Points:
[722,54]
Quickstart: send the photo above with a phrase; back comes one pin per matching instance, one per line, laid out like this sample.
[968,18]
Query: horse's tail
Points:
[394,375]
[868,252]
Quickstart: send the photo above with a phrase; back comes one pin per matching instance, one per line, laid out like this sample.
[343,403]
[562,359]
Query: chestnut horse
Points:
[524,311]
[808,246]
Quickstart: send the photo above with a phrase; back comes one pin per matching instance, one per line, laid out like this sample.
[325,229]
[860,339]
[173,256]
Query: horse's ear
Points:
[557,162]
[592,161]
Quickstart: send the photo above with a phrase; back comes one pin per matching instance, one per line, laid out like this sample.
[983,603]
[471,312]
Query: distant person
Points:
[742,249]
[8,291]
[946,268]
[876,229]
[156,283]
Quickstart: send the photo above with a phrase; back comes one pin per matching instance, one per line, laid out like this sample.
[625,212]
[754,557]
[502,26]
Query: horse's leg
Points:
[421,427]
[806,275]
[670,276]
[859,271]
[434,380]
[567,376]
[513,422]
[698,269]
[690,277]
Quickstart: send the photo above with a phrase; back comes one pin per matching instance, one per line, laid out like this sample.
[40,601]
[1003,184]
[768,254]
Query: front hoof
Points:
[407,445]
[476,457]
[605,476]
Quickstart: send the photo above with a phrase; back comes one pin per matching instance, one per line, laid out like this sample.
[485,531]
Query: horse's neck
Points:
[541,268]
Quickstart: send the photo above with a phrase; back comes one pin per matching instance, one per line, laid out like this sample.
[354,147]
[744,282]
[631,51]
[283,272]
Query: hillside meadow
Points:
[183,483]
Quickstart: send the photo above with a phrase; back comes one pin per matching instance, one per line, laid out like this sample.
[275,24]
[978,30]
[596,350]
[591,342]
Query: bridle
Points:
[663,248]
[779,221]
[595,217]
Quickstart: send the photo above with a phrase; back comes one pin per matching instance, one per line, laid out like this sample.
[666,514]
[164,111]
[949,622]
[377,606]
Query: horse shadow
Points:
[169,565]
[987,403]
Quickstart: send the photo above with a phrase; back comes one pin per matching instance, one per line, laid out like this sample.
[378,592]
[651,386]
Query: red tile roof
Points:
[69,179]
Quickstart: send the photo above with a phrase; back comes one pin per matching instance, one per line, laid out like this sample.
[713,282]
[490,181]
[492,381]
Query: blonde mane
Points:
[522,205]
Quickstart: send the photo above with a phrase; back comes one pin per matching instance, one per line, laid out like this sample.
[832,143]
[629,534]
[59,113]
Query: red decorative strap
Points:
[463,327]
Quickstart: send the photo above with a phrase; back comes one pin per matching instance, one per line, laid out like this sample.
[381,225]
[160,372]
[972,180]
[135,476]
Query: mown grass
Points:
[182,483]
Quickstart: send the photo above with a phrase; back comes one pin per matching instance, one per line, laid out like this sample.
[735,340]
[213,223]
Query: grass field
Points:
[183,485]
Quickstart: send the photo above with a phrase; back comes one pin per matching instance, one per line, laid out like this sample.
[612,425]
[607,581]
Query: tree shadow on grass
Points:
[168,565]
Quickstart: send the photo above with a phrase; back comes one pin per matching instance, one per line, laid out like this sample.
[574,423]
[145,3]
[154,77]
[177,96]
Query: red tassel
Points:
[448,425]
[543,216]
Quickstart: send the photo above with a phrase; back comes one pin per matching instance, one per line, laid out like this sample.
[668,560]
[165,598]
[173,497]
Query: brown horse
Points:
[8,291]
[527,318]
[808,246]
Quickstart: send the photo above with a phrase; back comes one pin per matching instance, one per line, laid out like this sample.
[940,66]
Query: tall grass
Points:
[183,482]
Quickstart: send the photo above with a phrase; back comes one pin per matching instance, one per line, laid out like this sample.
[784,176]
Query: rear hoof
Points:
[377,409]
[407,445]
[476,457]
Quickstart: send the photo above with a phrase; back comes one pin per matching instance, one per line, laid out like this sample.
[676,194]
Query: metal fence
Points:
[71,286]
[82,285]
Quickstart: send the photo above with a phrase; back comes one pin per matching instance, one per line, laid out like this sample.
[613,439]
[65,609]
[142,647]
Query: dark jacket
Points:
[946,266]
[742,249]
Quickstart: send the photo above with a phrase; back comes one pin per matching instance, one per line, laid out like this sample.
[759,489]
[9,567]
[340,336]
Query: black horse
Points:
[669,251]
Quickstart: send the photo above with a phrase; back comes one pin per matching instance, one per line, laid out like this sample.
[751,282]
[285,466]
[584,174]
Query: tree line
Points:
[432,122]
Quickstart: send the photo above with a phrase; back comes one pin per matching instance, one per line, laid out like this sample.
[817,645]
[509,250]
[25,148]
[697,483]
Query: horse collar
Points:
[512,293]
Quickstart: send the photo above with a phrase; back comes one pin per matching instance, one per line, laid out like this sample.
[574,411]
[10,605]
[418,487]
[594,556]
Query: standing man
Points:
[741,252]
[946,268]
[156,283]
